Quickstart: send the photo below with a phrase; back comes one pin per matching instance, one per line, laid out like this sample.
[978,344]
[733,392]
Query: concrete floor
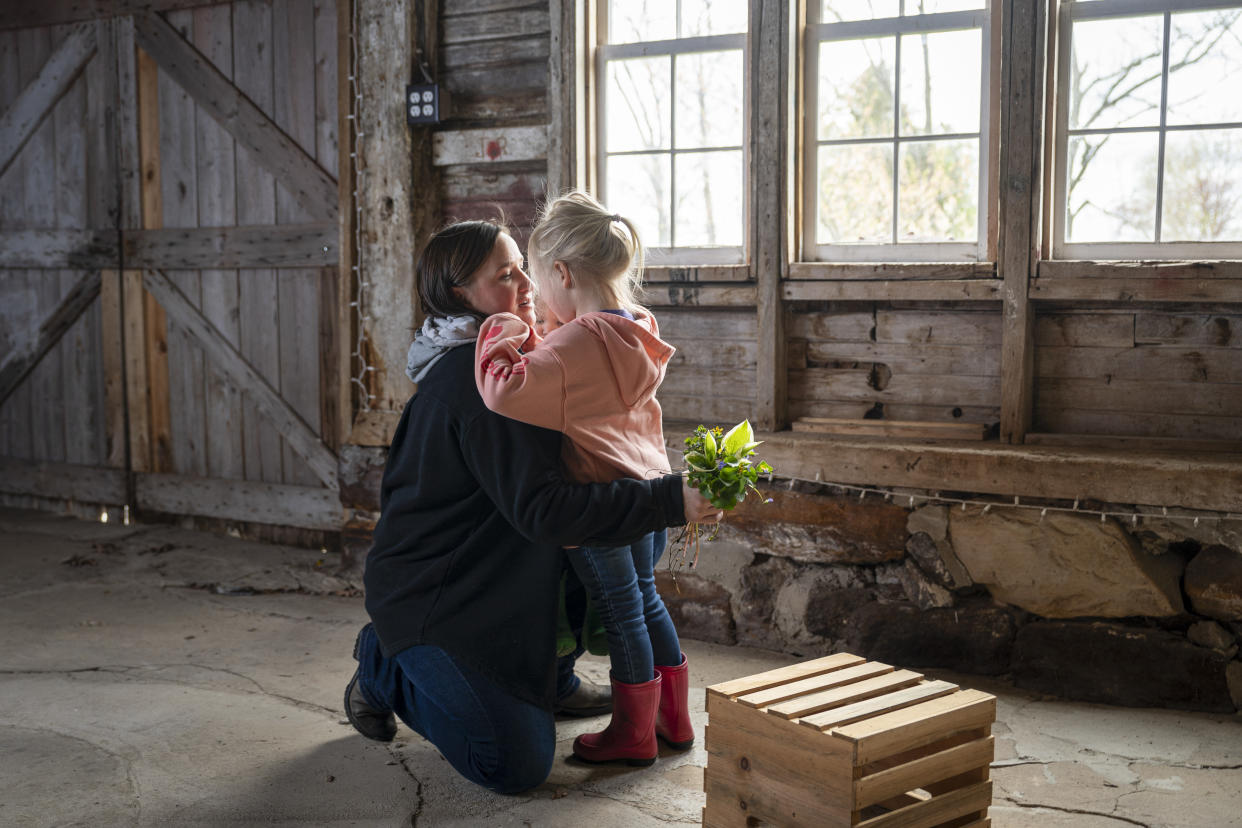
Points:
[155,676]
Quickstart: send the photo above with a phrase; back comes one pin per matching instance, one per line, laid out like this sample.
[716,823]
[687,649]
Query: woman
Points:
[462,578]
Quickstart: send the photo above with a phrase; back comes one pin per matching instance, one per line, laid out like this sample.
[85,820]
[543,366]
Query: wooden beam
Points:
[883,271]
[301,438]
[62,481]
[25,114]
[909,430]
[54,12]
[490,146]
[307,507]
[256,246]
[697,273]
[1143,444]
[686,294]
[374,428]
[59,249]
[1076,269]
[25,354]
[957,290]
[1024,61]
[771,131]
[1196,481]
[296,170]
[1096,289]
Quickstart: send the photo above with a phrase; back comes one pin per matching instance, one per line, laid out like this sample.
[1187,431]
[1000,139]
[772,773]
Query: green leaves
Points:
[721,468]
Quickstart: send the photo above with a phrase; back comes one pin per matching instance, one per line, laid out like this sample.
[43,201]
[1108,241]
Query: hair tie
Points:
[615,217]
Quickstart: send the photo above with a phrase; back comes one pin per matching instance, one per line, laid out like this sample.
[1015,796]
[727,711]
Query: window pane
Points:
[1205,61]
[1115,70]
[638,104]
[712,17]
[1111,188]
[1202,186]
[632,21]
[856,80]
[855,194]
[709,99]
[709,199]
[937,6]
[638,188]
[836,11]
[938,191]
[940,100]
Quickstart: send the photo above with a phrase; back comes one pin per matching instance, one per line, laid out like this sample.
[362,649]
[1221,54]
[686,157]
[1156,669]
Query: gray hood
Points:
[437,337]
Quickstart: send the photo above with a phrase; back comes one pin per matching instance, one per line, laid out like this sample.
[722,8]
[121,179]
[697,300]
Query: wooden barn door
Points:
[62,429]
[224,142]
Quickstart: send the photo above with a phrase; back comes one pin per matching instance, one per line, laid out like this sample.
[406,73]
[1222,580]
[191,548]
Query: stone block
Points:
[968,639]
[932,521]
[700,609]
[1211,635]
[820,528]
[1233,676]
[921,591]
[829,609]
[761,584]
[1214,583]
[1064,566]
[360,470]
[937,560]
[1115,664]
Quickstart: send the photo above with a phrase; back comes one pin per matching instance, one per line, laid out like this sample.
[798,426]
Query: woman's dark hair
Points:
[449,260]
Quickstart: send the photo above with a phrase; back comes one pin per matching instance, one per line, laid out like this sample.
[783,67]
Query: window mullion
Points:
[1164,101]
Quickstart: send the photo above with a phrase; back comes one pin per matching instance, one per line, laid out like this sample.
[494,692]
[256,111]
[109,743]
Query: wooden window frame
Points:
[1076,10]
[968,253]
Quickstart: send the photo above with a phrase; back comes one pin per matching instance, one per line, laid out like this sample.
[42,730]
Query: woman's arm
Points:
[525,386]
[519,467]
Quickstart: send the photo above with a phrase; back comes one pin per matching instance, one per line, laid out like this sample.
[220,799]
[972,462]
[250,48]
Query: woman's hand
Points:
[698,508]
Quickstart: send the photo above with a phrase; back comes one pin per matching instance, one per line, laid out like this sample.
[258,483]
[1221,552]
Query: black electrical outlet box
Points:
[422,104]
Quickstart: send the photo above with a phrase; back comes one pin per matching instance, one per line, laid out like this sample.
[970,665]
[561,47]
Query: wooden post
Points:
[346,284]
[568,140]
[770,148]
[397,191]
[1023,70]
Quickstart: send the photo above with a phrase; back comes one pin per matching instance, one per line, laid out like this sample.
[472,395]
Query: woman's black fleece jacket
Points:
[467,551]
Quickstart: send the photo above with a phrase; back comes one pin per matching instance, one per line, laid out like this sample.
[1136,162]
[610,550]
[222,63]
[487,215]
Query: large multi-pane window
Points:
[672,114]
[896,112]
[1149,129]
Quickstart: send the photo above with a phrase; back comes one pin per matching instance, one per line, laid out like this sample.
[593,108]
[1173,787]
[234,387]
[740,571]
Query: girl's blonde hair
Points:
[595,243]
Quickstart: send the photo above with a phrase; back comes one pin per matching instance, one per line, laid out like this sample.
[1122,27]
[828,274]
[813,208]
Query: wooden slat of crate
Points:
[919,725]
[827,681]
[937,810]
[936,767]
[838,697]
[907,697]
[782,675]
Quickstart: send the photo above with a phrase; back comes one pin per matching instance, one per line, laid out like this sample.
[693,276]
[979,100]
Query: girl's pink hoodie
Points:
[593,379]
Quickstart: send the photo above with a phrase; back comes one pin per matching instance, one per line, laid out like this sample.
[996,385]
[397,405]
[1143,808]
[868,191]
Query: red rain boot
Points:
[631,733]
[673,723]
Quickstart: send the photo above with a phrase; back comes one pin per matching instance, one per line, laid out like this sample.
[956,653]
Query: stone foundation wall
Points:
[1145,613]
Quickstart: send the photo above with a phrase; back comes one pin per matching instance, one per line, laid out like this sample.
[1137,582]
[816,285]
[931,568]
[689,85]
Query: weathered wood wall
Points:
[57,413]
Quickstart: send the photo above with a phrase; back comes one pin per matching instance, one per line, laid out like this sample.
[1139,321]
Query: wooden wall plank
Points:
[49,12]
[293,55]
[1138,424]
[896,411]
[308,507]
[270,402]
[912,389]
[80,394]
[63,481]
[913,290]
[1207,330]
[309,184]
[1142,270]
[43,87]
[179,197]
[256,246]
[256,205]
[1152,364]
[881,271]
[1111,394]
[27,354]
[490,145]
[470,27]
[45,384]
[78,249]
[1097,289]
[217,206]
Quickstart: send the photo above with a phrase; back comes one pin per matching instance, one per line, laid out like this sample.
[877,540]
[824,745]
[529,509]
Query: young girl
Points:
[594,379]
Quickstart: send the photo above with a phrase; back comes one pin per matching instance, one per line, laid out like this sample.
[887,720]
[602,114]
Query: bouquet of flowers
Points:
[724,468]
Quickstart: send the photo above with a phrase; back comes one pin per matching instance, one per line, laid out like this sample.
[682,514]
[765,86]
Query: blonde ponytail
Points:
[600,247]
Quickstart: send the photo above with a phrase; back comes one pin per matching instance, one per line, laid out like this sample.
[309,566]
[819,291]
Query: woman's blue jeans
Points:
[489,736]
[621,583]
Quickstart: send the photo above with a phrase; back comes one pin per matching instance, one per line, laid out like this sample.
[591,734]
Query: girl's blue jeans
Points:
[491,737]
[621,583]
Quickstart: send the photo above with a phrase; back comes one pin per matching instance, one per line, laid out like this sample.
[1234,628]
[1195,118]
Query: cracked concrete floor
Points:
[155,676]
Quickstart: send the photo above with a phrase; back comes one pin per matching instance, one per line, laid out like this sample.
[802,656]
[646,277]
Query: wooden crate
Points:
[845,741]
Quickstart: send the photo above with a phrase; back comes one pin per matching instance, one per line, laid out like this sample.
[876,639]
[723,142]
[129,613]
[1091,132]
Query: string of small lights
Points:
[359,303]
[936,499]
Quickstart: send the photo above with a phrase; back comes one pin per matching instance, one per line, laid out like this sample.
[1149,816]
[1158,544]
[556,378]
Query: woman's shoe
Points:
[370,721]
[631,733]
[673,722]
